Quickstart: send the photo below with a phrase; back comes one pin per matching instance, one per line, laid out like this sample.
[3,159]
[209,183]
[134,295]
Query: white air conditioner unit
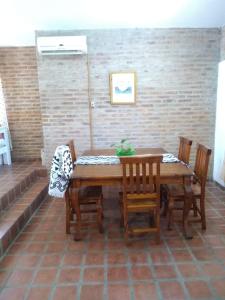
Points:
[62,45]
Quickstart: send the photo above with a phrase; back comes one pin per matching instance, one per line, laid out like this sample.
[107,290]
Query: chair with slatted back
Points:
[141,192]
[90,199]
[183,155]
[184,149]
[176,192]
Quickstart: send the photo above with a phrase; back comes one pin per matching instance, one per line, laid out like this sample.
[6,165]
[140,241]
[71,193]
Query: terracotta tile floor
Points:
[45,263]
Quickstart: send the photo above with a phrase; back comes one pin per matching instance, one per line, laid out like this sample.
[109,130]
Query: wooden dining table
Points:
[106,175]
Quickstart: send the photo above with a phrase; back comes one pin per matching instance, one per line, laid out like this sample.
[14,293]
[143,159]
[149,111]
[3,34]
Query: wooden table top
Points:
[114,172]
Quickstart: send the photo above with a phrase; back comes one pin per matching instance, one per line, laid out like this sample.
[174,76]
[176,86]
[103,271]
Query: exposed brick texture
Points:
[63,93]
[222,49]
[18,72]
[176,89]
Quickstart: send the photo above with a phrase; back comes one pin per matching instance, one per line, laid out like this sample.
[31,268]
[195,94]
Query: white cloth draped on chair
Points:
[61,170]
[5,146]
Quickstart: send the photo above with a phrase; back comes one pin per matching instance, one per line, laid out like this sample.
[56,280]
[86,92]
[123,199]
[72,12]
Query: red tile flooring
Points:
[45,263]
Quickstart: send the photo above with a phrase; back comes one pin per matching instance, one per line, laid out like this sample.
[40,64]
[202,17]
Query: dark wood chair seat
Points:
[177,190]
[89,193]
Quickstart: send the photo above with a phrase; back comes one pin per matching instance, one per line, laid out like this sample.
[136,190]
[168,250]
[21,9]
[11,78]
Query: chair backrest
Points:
[202,163]
[141,174]
[70,144]
[184,149]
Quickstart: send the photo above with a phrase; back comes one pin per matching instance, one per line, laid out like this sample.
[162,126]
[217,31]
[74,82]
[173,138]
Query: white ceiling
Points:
[20,18]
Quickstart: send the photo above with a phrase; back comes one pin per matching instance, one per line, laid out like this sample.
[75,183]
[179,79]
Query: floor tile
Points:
[219,286]
[114,258]
[213,269]
[65,292]
[71,259]
[94,259]
[20,277]
[69,275]
[51,260]
[160,257]
[93,292]
[145,291]
[198,289]
[117,274]
[165,272]
[182,256]
[189,270]
[93,275]
[172,290]
[14,293]
[28,261]
[39,293]
[141,273]
[45,276]
[118,292]
[138,258]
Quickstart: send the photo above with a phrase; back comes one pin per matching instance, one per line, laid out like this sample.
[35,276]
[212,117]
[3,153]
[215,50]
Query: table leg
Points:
[68,211]
[187,206]
[76,207]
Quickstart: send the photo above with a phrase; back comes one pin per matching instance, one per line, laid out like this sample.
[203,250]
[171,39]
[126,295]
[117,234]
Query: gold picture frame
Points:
[122,87]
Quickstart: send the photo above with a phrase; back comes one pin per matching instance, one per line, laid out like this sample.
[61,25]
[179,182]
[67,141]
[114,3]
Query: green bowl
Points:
[125,152]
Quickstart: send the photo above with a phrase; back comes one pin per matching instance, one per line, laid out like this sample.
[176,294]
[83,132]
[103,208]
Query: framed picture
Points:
[122,87]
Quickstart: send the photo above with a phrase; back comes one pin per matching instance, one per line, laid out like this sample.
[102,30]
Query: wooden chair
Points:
[184,149]
[90,200]
[141,192]
[183,155]
[176,192]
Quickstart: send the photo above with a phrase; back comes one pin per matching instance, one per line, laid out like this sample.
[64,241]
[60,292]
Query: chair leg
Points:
[125,223]
[121,213]
[68,213]
[202,209]
[100,215]
[195,208]
[170,213]
[152,218]
[163,202]
[157,224]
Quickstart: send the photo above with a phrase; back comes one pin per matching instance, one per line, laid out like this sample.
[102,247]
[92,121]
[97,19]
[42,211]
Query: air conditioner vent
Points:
[62,45]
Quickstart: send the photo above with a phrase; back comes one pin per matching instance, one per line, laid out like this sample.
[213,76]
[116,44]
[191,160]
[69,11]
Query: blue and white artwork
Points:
[122,88]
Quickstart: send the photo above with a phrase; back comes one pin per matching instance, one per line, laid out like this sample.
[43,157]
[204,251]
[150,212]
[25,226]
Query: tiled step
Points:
[11,189]
[16,216]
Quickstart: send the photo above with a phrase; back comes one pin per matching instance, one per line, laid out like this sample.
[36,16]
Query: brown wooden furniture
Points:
[141,192]
[183,155]
[89,200]
[176,192]
[184,149]
[95,175]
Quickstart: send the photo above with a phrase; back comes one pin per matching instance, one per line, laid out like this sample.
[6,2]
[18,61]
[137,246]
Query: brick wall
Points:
[18,72]
[176,89]
[222,45]
[64,102]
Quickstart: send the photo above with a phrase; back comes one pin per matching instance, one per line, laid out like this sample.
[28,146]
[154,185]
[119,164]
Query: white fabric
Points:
[5,154]
[98,160]
[112,160]
[169,158]
[61,171]
[2,143]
